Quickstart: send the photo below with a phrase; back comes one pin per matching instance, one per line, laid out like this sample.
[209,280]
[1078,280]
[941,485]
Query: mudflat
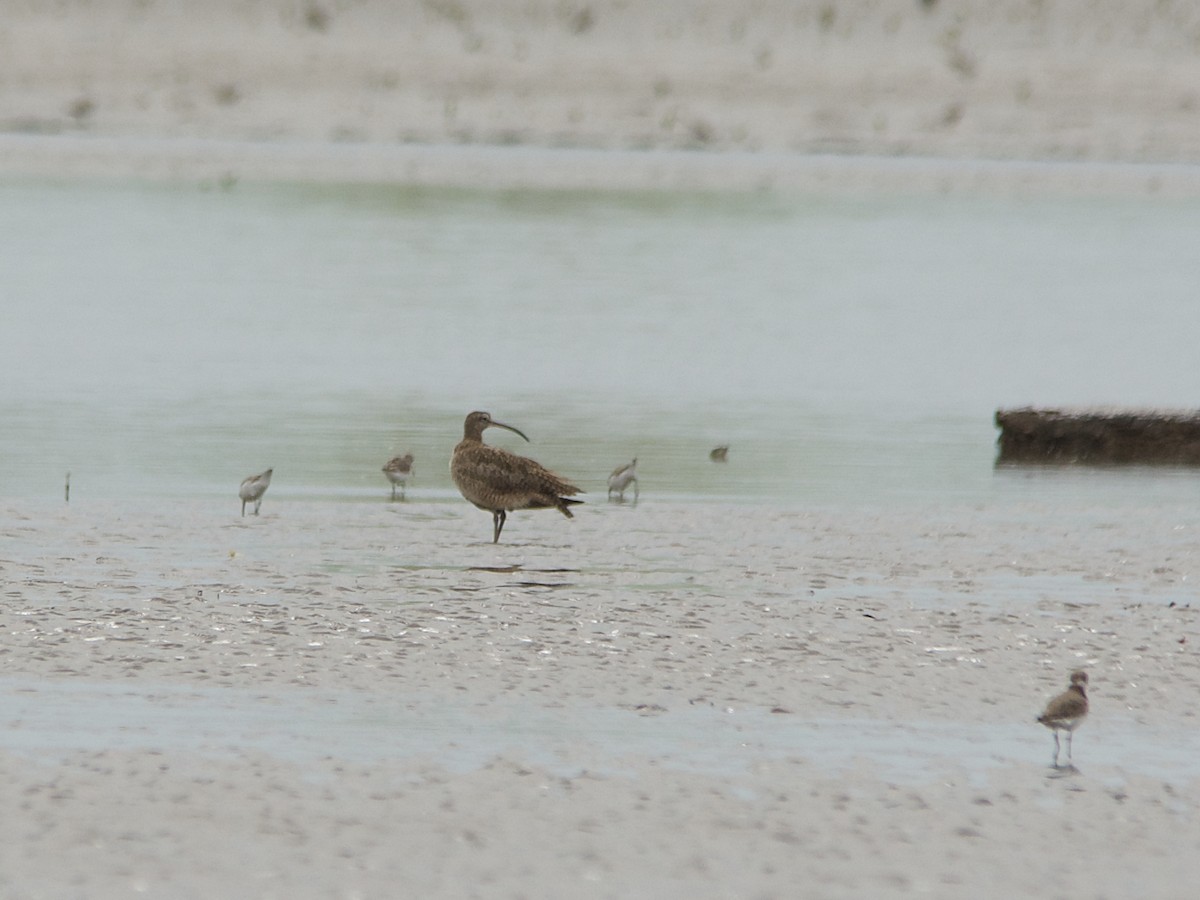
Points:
[673,699]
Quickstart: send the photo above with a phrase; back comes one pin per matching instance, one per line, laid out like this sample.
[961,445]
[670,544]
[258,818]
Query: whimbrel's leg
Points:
[1056,748]
[1070,738]
[498,517]
[393,492]
[243,509]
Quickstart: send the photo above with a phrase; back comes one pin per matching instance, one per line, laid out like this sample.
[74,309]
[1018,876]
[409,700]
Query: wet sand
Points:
[808,96]
[362,700]
[669,700]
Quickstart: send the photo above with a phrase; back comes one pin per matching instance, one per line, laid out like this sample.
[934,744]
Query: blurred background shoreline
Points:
[688,94]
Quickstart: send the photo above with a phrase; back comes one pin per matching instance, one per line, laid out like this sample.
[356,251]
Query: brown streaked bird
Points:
[1067,711]
[253,488]
[498,481]
[622,476]
[398,470]
[719,454]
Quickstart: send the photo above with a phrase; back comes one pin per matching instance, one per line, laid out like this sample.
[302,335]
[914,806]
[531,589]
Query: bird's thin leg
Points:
[393,493]
[1070,738]
[498,518]
[243,509]
[1056,748]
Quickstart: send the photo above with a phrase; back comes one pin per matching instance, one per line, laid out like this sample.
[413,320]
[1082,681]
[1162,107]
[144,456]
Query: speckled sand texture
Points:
[730,95]
[362,700]
[667,700]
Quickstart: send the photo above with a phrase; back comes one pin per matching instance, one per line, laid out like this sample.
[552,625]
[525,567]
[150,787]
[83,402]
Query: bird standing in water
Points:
[621,477]
[498,481]
[253,488]
[398,470]
[1067,711]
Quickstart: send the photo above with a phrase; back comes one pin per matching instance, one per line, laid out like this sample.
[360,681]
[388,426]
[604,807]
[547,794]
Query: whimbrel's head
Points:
[477,421]
[1080,678]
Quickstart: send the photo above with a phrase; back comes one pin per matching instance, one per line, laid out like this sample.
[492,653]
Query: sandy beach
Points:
[334,699]
[713,95]
[675,699]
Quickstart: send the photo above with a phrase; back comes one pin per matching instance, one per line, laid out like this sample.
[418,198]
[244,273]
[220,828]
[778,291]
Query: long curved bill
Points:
[513,430]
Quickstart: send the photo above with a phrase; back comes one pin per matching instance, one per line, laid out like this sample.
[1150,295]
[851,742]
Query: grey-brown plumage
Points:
[499,482]
[622,476]
[1067,711]
[719,454]
[398,470]
[253,488]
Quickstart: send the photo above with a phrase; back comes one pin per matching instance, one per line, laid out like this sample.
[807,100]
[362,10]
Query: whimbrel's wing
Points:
[493,479]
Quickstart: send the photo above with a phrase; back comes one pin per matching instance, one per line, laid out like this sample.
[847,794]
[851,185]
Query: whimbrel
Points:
[620,479]
[719,454]
[1067,711]
[498,481]
[253,488]
[398,469]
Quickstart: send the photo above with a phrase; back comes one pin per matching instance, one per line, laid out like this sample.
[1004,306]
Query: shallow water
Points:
[161,342]
[168,340]
[54,720]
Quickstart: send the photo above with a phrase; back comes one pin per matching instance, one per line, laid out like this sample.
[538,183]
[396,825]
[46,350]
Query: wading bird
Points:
[621,477]
[1067,711]
[253,488]
[398,470]
[499,482]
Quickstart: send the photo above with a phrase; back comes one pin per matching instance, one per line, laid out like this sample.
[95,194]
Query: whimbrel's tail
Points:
[564,506]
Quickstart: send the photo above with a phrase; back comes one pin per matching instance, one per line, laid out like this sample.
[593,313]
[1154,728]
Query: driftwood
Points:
[1098,437]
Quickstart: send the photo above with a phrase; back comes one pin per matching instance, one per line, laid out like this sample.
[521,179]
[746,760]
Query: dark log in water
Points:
[1098,437]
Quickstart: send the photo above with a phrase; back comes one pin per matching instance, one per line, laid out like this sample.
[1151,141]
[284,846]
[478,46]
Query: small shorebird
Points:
[498,481]
[398,469]
[253,488]
[1067,711]
[719,454]
[620,479]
